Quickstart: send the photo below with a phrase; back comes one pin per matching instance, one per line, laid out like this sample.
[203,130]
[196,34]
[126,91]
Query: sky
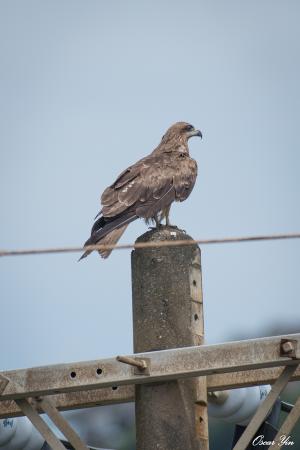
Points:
[89,87]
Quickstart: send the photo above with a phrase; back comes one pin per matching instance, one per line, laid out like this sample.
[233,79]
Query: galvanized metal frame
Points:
[125,394]
[228,365]
[165,365]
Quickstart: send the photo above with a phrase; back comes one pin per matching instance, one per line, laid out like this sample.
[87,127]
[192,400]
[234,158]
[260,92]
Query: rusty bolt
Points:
[139,363]
[288,348]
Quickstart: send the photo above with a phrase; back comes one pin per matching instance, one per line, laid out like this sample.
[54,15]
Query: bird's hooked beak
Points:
[194,132]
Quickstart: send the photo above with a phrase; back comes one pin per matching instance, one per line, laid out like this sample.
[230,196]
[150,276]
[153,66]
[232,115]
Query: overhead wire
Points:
[151,244]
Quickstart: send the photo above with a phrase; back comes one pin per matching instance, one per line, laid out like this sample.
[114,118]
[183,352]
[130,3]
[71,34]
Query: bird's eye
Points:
[189,128]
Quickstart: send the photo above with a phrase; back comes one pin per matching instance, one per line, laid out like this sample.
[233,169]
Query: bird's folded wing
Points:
[146,187]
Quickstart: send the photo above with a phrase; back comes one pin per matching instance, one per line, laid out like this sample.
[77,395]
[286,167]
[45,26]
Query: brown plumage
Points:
[147,188]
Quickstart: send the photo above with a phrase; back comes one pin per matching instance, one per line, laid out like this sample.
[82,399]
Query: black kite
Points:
[147,188]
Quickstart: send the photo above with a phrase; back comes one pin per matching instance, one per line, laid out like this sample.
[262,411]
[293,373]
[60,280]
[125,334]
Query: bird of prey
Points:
[147,188]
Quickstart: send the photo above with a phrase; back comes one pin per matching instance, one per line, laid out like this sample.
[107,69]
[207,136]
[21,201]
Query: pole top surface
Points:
[164,233]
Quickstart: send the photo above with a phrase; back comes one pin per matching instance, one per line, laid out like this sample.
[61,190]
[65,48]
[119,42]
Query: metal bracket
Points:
[39,424]
[30,409]
[62,424]
[265,407]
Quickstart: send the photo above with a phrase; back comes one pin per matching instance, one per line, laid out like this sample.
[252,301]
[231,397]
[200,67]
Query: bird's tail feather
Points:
[109,234]
[111,239]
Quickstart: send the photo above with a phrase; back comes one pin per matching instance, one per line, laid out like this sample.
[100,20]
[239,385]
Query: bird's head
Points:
[181,131]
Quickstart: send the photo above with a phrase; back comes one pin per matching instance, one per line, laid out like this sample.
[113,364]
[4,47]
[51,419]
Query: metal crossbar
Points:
[226,365]
[125,394]
[165,365]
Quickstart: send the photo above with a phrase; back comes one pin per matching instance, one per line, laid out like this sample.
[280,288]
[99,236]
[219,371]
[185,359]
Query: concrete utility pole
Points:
[168,313]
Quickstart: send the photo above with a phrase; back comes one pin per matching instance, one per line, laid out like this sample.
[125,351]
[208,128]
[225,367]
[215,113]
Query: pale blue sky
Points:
[89,87]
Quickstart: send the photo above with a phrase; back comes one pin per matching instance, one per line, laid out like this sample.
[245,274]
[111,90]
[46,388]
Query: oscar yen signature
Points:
[283,440]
